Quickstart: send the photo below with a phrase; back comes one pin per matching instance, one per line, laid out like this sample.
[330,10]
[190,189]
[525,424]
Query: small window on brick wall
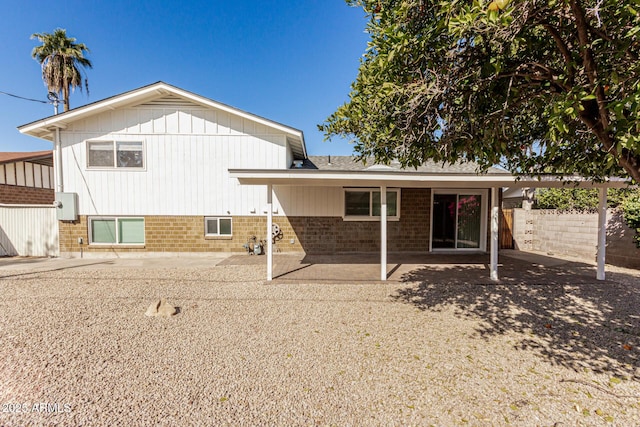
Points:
[217,226]
[364,204]
[116,231]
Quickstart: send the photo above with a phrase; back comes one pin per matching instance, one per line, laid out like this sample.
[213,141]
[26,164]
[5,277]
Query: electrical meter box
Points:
[67,206]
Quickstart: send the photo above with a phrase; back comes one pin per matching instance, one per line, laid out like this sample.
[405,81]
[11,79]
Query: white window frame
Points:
[114,143]
[483,218]
[117,236]
[369,217]
[217,218]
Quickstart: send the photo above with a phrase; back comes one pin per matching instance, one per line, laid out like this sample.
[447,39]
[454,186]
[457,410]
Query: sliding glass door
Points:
[444,221]
[458,221]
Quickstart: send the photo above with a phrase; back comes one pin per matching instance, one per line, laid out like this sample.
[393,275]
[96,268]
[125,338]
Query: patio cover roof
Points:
[411,179]
[346,172]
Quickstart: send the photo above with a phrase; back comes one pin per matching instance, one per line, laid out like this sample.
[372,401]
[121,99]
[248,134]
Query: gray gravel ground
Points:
[241,352]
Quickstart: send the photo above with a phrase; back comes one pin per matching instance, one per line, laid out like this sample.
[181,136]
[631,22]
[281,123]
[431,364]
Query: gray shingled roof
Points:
[348,163]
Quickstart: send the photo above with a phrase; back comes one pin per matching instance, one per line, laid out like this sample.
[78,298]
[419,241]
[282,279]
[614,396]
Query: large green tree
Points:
[62,61]
[534,85]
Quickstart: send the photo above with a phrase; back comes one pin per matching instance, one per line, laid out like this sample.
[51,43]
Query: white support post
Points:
[602,233]
[495,215]
[269,232]
[383,233]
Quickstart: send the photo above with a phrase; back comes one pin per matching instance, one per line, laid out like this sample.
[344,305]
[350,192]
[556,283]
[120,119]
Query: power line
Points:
[22,97]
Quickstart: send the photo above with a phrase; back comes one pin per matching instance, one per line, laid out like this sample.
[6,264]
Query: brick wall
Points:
[334,235]
[574,234]
[14,194]
[314,235]
[180,234]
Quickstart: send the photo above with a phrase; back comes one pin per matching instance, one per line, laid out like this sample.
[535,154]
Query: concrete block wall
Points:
[621,249]
[326,235]
[313,235]
[179,234]
[574,234]
[19,195]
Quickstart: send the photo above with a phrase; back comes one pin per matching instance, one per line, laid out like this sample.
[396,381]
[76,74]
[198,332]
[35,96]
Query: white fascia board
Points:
[61,120]
[405,179]
[369,179]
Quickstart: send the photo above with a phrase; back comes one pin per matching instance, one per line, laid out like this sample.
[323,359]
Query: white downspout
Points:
[602,232]
[57,163]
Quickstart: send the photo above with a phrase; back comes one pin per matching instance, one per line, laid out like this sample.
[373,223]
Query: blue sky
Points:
[288,61]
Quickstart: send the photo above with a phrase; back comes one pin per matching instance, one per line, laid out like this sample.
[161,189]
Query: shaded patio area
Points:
[514,267]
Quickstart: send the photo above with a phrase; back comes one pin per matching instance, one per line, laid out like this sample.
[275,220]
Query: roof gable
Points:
[157,94]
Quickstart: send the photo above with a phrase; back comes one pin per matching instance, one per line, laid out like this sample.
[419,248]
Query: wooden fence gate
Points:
[506,229]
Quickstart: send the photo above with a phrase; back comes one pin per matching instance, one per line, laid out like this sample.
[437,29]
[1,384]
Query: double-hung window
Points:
[364,204]
[115,154]
[217,226]
[116,231]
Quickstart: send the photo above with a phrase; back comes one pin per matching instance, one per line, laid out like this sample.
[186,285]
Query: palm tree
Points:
[62,60]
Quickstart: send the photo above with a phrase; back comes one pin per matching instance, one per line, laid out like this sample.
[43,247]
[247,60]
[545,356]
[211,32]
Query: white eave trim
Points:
[408,179]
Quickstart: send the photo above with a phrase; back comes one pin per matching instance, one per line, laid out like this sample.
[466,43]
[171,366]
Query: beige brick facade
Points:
[178,234]
[314,235]
[334,235]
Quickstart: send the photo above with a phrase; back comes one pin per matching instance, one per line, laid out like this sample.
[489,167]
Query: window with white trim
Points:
[217,226]
[116,231]
[364,203]
[115,154]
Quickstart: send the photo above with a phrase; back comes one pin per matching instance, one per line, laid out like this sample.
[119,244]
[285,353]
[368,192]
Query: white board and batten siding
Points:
[28,230]
[188,151]
[310,201]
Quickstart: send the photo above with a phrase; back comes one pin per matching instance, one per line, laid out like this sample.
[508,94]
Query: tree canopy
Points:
[536,86]
[62,61]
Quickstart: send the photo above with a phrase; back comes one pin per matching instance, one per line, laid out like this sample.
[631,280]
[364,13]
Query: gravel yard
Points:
[77,349]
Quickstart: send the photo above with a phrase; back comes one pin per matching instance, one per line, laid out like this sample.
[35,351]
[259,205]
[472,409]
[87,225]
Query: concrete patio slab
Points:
[514,267]
[48,264]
